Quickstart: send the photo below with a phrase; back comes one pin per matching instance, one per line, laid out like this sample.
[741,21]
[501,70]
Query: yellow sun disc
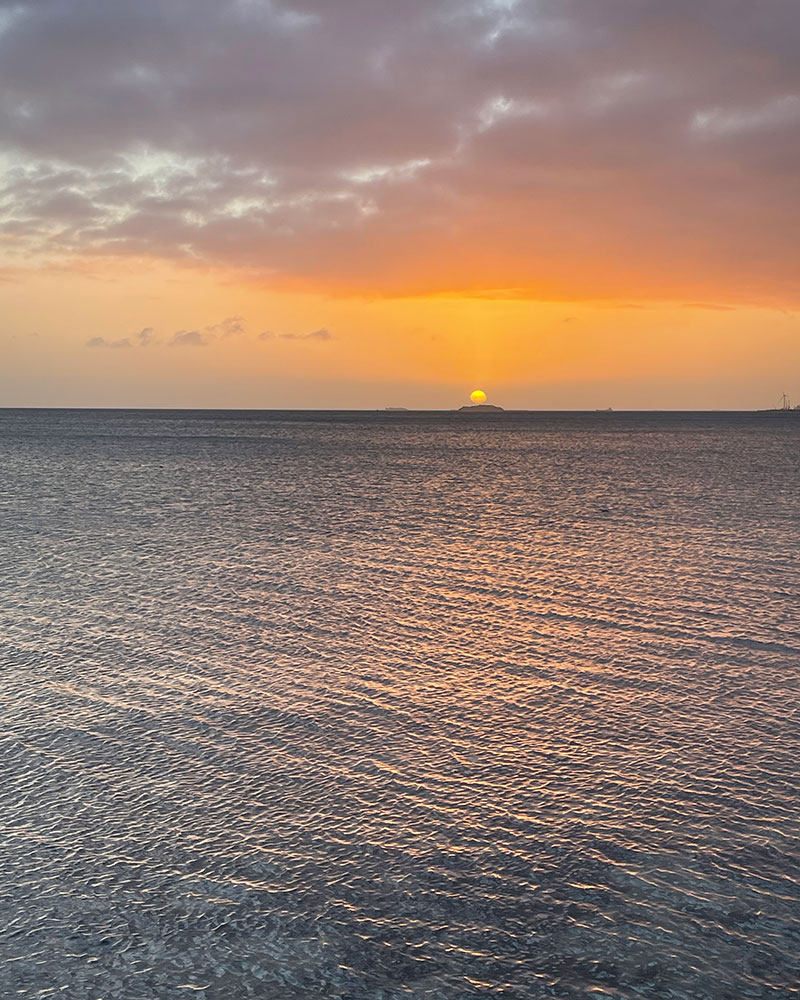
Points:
[478,396]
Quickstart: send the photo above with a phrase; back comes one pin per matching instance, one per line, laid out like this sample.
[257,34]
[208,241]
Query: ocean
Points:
[380,706]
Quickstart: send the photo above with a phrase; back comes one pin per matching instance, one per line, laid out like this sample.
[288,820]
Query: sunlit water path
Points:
[383,707]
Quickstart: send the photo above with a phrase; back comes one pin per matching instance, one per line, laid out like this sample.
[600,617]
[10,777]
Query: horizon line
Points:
[390,411]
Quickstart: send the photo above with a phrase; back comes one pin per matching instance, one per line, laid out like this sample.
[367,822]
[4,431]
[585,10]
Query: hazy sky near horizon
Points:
[391,202]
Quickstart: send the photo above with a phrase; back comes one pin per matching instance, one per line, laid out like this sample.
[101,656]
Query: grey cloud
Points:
[230,327]
[188,338]
[359,144]
[102,342]
[320,335]
[146,337]
[142,339]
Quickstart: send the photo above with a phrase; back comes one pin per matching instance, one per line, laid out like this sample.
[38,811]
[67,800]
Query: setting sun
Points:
[478,396]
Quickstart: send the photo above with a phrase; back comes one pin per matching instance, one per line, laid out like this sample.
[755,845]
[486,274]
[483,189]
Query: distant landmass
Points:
[785,407]
[481,408]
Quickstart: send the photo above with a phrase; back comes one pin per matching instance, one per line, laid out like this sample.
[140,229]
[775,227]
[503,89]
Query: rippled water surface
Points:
[340,706]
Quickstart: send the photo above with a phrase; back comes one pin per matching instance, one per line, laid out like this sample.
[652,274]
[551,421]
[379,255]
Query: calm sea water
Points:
[358,706]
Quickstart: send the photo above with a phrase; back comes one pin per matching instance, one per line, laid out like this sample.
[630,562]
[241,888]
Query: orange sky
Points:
[323,351]
[392,203]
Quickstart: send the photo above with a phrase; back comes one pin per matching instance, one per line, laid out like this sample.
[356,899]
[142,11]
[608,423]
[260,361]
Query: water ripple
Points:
[380,708]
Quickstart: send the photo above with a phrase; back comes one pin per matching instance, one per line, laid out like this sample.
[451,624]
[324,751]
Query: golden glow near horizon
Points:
[575,225]
[162,335]
[478,396]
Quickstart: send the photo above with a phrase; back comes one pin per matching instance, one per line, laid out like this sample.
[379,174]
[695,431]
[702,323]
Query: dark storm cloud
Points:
[548,147]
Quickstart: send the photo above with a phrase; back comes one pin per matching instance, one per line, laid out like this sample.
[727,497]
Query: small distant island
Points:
[479,404]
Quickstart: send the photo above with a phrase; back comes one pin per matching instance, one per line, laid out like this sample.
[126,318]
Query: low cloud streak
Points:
[225,330]
[102,342]
[319,335]
[188,338]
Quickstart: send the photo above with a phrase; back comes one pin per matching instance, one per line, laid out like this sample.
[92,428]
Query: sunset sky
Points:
[336,203]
